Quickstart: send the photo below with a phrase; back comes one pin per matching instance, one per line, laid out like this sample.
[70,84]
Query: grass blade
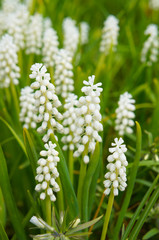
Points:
[137,212]
[88,179]
[144,215]
[3,234]
[14,134]
[130,183]
[151,233]
[84,225]
[69,193]
[9,200]
[31,151]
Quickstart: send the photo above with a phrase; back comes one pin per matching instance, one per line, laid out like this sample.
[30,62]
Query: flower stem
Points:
[107,215]
[60,196]
[52,75]
[71,165]
[100,65]
[80,184]
[48,210]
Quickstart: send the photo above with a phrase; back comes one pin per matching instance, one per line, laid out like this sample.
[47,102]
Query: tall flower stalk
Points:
[115,177]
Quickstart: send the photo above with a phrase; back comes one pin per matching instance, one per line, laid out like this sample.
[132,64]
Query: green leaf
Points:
[84,225]
[151,233]
[14,134]
[9,200]
[131,183]
[79,234]
[144,214]
[2,209]
[87,181]
[3,234]
[137,212]
[69,193]
[31,151]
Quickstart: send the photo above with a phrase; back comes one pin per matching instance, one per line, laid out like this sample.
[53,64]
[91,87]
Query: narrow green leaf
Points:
[84,225]
[151,233]
[2,209]
[87,181]
[144,215]
[31,151]
[14,134]
[79,234]
[69,193]
[131,183]
[9,200]
[137,212]
[3,234]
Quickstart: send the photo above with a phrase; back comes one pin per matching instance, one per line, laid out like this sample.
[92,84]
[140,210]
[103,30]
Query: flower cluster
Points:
[63,73]
[34,34]
[150,49]
[154,4]
[50,47]
[16,24]
[28,113]
[110,35]
[9,70]
[69,121]
[9,6]
[84,31]
[116,175]
[47,172]
[125,114]
[88,119]
[47,101]
[71,35]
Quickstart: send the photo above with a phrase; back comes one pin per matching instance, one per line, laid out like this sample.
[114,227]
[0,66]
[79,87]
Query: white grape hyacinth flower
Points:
[47,101]
[117,163]
[88,121]
[63,73]
[9,6]
[16,24]
[71,35]
[149,53]
[154,4]
[47,172]
[110,34]
[50,47]
[125,114]
[28,113]
[69,121]
[84,32]
[34,34]
[9,69]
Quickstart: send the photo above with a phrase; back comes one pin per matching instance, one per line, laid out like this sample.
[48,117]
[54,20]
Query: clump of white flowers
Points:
[9,70]
[125,114]
[2,22]
[154,4]
[110,35]
[47,172]
[149,52]
[47,101]
[16,24]
[50,47]
[63,73]
[88,119]
[28,113]
[116,175]
[71,35]
[9,6]
[84,31]
[69,121]
[34,34]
